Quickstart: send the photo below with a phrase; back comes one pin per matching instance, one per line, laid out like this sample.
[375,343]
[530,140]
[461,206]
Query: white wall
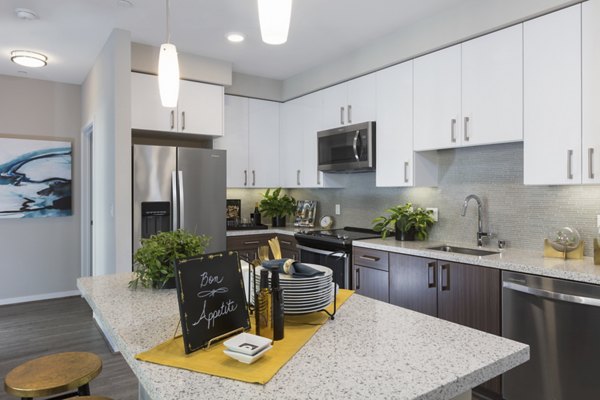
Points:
[40,256]
[469,19]
[107,105]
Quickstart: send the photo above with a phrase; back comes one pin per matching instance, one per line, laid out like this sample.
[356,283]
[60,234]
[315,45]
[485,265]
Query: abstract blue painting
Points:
[35,178]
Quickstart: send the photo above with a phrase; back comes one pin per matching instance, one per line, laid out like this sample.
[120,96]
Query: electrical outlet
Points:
[338,209]
[434,214]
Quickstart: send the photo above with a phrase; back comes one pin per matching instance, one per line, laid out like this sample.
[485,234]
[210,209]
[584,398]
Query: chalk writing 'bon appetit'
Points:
[207,284]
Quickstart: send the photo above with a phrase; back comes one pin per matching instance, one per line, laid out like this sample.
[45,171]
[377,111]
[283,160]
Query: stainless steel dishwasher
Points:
[560,320]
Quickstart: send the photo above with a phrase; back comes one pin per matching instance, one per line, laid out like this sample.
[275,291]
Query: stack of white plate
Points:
[304,295]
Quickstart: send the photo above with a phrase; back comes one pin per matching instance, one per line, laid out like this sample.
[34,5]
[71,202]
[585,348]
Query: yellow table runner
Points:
[298,330]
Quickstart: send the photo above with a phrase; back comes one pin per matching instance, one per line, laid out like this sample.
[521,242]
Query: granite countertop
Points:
[288,230]
[531,262]
[371,350]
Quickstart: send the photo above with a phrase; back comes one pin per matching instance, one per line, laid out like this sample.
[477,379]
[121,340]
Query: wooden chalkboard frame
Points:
[211,297]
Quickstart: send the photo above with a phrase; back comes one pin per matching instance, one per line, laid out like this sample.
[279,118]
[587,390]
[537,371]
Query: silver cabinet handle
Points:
[341,115]
[174,201]
[355,145]
[245,177]
[181,202]
[172,119]
[251,242]
[569,298]
[569,164]
[357,284]
[183,120]
[405,171]
[591,162]
[298,177]
[466,129]
[253,178]
[318,176]
[349,113]
[370,258]
[453,130]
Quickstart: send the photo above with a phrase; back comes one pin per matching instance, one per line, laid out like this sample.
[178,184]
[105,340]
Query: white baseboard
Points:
[38,297]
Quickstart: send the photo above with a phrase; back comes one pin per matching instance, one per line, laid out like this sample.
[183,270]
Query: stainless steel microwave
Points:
[347,149]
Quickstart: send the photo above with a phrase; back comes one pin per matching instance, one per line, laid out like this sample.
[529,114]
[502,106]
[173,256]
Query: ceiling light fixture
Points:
[168,70]
[235,37]
[274,17]
[28,58]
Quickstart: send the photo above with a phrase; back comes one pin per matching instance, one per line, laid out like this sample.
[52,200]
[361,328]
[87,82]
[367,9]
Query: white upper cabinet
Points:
[348,103]
[437,100]
[252,142]
[552,98]
[291,144]
[263,149]
[199,109]
[591,92]
[235,141]
[492,88]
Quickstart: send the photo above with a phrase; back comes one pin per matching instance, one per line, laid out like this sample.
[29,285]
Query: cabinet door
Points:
[290,144]
[361,99]
[492,88]
[413,283]
[591,92]
[310,106]
[371,282]
[235,141]
[200,108]
[147,111]
[437,100]
[263,148]
[395,126]
[334,107]
[552,83]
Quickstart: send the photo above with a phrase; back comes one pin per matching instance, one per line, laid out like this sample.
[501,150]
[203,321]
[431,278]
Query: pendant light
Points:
[274,17]
[168,70]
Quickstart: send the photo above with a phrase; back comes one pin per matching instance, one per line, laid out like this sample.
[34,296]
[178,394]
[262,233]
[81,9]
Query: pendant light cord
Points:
[168,18]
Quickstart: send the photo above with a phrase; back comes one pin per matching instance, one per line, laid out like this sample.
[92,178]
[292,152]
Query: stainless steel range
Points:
[332,248]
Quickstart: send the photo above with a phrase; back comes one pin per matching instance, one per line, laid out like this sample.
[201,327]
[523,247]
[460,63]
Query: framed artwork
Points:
[35,177]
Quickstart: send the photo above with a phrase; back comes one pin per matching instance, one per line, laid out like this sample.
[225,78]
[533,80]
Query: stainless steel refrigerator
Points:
[179,188]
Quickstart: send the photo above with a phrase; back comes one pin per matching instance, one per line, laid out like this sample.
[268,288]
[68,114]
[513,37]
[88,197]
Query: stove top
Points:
[334,239]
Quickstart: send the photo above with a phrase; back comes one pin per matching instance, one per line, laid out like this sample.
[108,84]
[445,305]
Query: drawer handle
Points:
[431,274]
[370,258]
[286,243]
[253,242]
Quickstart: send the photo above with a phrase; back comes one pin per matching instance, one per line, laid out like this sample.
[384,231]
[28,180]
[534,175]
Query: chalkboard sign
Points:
[212,303]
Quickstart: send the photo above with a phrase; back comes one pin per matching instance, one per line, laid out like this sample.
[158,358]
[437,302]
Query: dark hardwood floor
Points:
[34,329]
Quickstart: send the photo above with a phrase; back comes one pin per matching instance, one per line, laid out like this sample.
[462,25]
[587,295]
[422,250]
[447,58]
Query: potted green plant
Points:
[407,223]
[276,207]
[155,261]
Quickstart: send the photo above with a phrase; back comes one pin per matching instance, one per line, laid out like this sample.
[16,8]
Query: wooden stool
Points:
[53,374]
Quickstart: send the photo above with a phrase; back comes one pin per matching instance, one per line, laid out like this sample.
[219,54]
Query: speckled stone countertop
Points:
[371,350]
[288,230]
[531,262]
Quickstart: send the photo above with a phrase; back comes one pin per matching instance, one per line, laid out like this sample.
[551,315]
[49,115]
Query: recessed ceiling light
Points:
[125,3]
[28,58]
[26,13]
[235,37]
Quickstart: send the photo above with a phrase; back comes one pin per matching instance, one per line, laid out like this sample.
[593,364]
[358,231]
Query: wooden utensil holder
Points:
[576,254]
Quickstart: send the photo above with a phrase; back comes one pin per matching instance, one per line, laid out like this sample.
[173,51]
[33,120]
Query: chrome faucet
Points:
[480,233]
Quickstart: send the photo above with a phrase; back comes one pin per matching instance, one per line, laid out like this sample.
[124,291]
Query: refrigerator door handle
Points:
[175,205]
[181,198]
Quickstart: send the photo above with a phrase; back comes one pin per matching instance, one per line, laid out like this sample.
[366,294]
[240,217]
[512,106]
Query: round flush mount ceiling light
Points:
[26,14]
[235,37]
[28,58]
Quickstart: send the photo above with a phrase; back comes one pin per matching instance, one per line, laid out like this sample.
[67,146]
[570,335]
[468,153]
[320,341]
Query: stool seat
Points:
[52,374]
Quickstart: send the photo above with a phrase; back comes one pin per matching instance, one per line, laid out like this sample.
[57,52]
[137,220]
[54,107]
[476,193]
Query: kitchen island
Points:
[371,350]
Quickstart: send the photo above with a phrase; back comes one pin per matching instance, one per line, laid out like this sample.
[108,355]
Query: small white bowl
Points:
[246,359]
[247,343]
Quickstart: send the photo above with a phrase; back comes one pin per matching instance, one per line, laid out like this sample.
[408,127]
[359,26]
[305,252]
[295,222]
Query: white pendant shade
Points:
[168,75]
[274,17]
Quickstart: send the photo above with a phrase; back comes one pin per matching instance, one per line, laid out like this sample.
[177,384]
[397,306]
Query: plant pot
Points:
[405,235]
[279,221]
[168,284]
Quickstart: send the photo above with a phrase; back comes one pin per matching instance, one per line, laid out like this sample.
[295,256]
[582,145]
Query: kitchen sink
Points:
[463,250]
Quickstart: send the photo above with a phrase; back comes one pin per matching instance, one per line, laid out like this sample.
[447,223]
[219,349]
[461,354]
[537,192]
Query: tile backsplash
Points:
[521,215]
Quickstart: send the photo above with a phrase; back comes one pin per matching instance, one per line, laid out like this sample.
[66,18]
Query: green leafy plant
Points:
[155,261]
[405,218]
[274,206]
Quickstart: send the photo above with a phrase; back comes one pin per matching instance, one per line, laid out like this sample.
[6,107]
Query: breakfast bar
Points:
[371,350]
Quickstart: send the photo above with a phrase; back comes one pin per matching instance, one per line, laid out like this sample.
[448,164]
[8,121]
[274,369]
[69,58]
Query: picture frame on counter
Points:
[306,212]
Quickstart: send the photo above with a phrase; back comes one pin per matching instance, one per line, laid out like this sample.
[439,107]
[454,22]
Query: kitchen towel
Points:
[298,331]
[291,267]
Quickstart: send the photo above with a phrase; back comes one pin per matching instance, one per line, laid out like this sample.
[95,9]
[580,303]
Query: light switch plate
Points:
[435,213]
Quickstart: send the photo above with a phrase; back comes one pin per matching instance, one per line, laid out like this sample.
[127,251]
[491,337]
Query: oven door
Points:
[338,261]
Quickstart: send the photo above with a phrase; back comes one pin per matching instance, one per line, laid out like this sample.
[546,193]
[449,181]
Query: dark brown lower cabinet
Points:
[371,282]
[465,294]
